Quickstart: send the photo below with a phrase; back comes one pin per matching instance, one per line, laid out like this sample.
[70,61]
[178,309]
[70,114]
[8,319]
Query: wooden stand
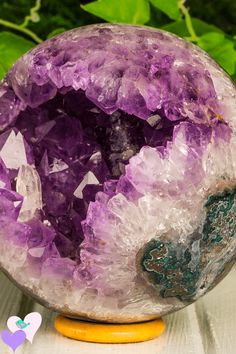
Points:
[109,333]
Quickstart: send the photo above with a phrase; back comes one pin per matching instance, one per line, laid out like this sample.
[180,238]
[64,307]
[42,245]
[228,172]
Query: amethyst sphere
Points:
[117,173]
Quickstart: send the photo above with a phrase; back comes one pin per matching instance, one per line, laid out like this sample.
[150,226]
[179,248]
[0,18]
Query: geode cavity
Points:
[117,173]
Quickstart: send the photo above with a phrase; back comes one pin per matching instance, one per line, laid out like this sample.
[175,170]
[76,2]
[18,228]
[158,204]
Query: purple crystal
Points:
[11,203]
[4,175]
[110,135]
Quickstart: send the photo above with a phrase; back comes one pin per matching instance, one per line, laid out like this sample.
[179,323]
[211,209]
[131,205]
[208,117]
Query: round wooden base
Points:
[109,333]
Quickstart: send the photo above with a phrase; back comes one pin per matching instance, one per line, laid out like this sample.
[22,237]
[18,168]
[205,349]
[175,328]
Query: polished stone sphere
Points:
[117,173]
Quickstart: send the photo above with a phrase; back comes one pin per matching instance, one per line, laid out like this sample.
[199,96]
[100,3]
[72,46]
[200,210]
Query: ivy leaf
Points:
[220,48]
[12,47]
[169,7]
[122,11]
[2,71]
[56,31]
[201,27]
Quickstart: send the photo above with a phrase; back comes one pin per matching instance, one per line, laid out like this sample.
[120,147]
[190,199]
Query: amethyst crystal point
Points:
[117,173]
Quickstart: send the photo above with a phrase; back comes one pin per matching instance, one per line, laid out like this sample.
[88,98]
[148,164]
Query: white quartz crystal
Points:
[89,178]
[28,185]
[13,151]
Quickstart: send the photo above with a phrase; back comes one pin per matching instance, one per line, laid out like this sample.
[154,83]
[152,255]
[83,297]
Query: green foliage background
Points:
[211,24]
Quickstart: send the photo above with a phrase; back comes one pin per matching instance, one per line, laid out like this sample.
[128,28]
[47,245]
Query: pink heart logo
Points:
[29,325]
[13,340]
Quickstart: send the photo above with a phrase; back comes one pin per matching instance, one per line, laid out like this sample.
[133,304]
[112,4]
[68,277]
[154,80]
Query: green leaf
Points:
[200,27]
[169,7]
[12,47]
[220,48]
[2,71]
[122,11]
[55,32]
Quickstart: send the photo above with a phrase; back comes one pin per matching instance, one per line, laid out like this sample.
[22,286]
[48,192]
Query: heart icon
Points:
[29,325]
[13,340]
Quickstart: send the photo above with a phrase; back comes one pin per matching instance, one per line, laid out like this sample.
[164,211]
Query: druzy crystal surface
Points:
[117,173]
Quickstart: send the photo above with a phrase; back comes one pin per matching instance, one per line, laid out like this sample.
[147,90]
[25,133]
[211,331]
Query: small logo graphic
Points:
[21,324]
[20,330]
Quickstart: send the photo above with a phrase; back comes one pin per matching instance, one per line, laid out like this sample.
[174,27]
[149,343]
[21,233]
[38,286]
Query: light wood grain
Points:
[208,327]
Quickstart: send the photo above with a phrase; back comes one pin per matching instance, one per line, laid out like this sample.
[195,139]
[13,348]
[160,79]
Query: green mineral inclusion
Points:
[175,268]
